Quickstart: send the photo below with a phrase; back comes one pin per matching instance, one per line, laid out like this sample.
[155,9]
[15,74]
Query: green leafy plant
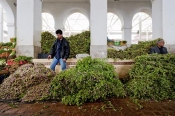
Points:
[2,51]
[47,39]
[152,78]
[23,58]
[13,40]
[130,53]
[2,63]
[79,44]
[89,81]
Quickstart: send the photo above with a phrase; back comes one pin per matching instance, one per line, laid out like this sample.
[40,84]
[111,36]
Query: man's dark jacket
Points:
[65,49]
[157,50]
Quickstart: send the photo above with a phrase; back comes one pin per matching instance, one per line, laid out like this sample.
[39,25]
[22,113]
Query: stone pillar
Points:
[127,35]
[157,19]
[29,25]
[169,24]
[1,24]
[168,21]
[98,27]
[164,22]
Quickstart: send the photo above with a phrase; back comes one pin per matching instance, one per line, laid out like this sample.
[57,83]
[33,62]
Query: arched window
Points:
[5,28]
[48,23]
[114,27]
[76,23]
[141,27]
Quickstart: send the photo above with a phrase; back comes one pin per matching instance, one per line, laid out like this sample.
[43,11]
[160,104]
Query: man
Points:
[159,49]
[60,51]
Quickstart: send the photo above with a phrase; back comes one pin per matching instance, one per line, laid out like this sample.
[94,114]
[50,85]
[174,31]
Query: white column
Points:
[98,27]
[1,24]
[127,32]
[157,19]
[168,21]
[140,27]
[29,27]
[164,22]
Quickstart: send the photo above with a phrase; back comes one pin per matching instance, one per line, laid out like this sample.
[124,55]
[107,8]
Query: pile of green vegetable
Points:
[79,44]
[47,39]
[152,78]
[23,58]
[142,48]
[27,79]
[8,49]
[89,81]
[2,64]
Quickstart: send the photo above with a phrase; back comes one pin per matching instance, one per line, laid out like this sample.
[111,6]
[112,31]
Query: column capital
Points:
[152,1]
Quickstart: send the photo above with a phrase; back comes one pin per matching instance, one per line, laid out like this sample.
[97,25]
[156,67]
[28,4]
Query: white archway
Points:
[114,26]
[3,25]
[76,23]
[48,23]
[141,27]
[10,19]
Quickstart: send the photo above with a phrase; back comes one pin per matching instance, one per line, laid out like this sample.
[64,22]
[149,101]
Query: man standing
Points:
[159,49]
[60,51]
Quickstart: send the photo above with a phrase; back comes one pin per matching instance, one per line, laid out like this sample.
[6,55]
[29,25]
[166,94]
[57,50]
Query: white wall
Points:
[125,10]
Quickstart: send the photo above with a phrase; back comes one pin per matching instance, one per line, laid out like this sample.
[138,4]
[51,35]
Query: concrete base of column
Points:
[28,50]
[98,51]
[170,48]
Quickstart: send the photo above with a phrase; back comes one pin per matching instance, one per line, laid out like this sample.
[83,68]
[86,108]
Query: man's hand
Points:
[64,60]
[49,57]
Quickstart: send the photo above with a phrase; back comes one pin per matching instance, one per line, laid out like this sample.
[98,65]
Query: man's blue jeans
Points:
[55,62]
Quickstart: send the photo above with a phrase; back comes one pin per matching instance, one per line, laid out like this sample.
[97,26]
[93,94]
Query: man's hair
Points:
[59,32]
[159,40]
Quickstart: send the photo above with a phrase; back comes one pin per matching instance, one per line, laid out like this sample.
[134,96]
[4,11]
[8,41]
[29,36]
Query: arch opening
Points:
[114,26]
[141,28]
[76,23]
[4,28]
[48,23]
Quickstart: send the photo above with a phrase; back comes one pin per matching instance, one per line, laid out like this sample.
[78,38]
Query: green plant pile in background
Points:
[89,81]
[47,40]
[23,58]
[8,47]
[79,44]
[2,63]
[152,78]
[142,48]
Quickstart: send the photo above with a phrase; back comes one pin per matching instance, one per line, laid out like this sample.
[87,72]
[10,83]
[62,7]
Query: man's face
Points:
[59,36]
[161,43]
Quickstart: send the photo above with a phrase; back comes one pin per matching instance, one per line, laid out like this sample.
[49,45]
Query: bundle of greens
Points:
[135,50]
[152,78]
[89,81]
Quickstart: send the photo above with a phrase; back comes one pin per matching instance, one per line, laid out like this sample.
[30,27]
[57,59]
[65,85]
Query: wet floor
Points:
[113,107]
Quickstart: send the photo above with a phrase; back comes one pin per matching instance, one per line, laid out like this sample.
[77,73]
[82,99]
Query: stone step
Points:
[122,67]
